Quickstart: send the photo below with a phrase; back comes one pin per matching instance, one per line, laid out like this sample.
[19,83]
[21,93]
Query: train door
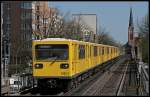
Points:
[90,62]
[102,54]
[87,53]
[75,60]
[113,52]
[91,59]
[82,57]
[108,53]
[95,55]
[105,54]
[99,54]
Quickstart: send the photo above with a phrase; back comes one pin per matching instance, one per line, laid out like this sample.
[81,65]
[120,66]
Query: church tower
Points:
[131,30]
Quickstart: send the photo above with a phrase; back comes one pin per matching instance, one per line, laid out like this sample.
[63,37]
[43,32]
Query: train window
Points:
[111,50]
[99,50]
[102,50]
[90,51]
[86,50]
[108,50]
[95,50]
[81,51]
[52,52]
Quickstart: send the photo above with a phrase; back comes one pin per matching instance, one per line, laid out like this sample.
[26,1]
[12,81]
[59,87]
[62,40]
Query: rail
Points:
[122,82]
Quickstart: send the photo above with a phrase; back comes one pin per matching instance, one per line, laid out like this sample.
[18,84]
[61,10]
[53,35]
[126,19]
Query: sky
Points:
[113,16]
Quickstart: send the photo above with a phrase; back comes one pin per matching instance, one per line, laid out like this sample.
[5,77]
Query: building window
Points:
[33,26]
[26,15]
[33,15]
[37,17]
[22,5]
[29,15]
[23,15]
[38,27]
[37,7]
[7,6]
[81,51]
[8,19]
[8,26]
[46,20]
[26,5]
[22,26]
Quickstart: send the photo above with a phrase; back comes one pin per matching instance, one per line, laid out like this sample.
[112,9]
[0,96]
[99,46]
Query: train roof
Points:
[55,39]
[64,39]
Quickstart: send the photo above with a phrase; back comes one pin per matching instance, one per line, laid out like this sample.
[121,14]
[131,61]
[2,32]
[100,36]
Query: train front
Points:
[51,63]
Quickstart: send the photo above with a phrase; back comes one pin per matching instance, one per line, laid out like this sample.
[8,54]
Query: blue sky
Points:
[113,16]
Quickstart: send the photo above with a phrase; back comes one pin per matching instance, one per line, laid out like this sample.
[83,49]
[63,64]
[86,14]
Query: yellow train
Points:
[62,63]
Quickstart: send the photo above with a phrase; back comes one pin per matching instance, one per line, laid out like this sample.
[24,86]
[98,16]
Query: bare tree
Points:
[45,19]
[51,24]
[143,30]
[105,38]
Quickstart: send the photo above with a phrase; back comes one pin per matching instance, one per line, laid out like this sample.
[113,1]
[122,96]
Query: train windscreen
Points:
[51,52]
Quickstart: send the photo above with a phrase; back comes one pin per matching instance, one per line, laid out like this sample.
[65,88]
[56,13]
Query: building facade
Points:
[2,57]
[44,20]
[24,21]
[88,23]
[17,29]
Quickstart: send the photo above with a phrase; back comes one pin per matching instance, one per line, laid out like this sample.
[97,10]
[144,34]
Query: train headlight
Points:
[64,66]
[38,66]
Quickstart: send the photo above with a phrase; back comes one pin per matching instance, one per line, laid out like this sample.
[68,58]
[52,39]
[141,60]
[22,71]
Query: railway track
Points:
[5,90]
[109,83]
[92,85]
[113,86]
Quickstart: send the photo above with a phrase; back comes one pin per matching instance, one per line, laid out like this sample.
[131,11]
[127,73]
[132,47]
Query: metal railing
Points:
[144,77]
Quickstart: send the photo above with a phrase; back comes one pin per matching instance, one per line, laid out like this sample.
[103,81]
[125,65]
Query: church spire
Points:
[131,19]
